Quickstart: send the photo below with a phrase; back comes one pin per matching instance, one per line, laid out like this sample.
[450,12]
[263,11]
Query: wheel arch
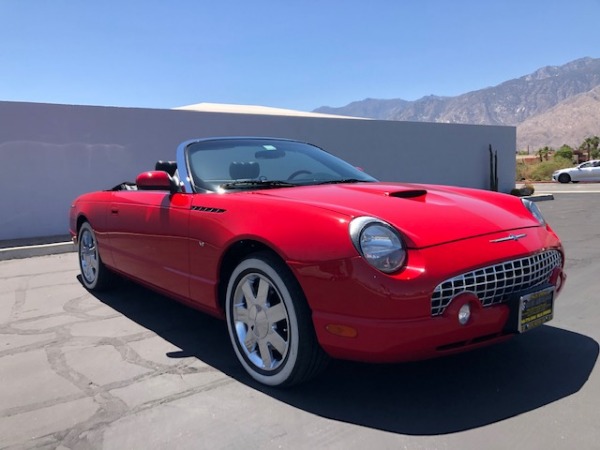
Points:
[102,248]
[236,253]
[305,357]
[80,221]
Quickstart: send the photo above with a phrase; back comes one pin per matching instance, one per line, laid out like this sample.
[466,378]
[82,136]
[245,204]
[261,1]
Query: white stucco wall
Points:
[51,153]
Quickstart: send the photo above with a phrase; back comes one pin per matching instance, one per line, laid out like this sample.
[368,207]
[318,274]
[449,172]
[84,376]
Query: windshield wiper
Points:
[343,180]
[257,183]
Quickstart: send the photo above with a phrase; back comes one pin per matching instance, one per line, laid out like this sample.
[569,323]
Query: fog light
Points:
[464,314]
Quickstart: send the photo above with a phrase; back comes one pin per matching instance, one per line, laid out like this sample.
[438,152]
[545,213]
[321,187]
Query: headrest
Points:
[166,166]
[244,170]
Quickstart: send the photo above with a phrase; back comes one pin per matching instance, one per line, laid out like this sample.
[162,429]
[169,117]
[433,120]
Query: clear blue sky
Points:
[281,53]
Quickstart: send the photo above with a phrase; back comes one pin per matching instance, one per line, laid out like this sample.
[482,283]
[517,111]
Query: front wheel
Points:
[270,324]
[94,274]
[564,178]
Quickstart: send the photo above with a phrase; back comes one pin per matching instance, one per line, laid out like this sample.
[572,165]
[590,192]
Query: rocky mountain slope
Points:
[569,122]
[515,102]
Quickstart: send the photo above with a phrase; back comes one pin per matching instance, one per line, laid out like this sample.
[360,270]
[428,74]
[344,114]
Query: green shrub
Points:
[523,171]
[564,152]
[515,191]
[527,189]
[540,171]
[543,170]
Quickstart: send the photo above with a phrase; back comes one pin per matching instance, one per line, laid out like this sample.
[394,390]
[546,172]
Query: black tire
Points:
[94,274]
[564,178]
[270,323]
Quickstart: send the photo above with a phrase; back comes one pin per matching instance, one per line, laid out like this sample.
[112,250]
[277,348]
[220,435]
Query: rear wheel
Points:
[564,178]
[270,324]
[94,274]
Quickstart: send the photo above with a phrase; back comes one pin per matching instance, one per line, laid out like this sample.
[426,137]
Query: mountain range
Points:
[552,106]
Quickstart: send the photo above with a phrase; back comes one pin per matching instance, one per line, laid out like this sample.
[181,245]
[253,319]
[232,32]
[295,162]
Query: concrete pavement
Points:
[41,246]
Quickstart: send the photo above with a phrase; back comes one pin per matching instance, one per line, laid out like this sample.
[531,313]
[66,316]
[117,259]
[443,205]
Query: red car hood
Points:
[426,214]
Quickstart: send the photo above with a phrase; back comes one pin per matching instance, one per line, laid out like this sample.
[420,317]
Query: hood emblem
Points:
[510,237]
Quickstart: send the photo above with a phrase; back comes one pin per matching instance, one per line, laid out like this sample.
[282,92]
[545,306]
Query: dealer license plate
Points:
[535,309]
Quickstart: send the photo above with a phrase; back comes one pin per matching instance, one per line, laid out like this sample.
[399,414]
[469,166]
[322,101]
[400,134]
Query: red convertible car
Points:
[307,257]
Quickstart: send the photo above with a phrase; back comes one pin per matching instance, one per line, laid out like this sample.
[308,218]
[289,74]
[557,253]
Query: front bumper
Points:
[398,340]
[361,314]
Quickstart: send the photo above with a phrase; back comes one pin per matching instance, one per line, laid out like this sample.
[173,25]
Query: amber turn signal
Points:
[342,330]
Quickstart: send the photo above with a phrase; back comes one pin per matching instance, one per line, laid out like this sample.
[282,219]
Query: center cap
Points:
[261,322]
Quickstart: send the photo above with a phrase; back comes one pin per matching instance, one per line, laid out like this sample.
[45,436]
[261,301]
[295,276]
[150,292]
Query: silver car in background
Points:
[587,171]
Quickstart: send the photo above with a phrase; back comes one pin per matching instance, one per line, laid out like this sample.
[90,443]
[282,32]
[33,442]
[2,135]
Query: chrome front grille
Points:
[494,284]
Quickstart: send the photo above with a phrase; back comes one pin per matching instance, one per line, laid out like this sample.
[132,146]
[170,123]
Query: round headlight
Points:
[378,243]
[534,210]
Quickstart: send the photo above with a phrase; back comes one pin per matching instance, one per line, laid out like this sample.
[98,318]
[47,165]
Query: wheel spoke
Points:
[277,313]
[250,341]
[240,314]
[88,271]
[263,292]
[91,261]
[277,342]
[265,354]
[248,291]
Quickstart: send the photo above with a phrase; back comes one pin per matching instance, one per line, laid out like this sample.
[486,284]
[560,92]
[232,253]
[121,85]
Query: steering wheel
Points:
[299,172]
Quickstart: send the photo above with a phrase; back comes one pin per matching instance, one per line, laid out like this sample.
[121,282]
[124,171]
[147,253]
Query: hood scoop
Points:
[413,193]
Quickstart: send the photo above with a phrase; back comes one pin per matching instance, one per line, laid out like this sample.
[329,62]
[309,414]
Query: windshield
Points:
[232,164]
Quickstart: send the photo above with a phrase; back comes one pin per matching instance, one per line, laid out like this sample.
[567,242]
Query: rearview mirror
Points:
[156,180]
[269,154]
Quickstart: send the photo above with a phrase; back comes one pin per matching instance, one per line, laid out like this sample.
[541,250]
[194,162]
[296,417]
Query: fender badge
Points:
[510,237]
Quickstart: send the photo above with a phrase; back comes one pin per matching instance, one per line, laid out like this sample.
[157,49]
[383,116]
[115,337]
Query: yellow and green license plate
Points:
[535,309]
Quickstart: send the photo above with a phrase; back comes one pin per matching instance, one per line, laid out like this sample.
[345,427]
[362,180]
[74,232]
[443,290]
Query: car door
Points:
[149,238]
[584,172]
[210,229]
[595,171]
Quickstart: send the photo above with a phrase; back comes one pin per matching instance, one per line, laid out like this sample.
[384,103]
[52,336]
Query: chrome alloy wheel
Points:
[270,324]
[94,275]
[261,322]
[88,256]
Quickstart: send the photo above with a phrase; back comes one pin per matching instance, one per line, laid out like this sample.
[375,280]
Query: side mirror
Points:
[156,180]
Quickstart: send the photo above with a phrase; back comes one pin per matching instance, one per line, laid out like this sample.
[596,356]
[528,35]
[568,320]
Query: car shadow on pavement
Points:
[439,396]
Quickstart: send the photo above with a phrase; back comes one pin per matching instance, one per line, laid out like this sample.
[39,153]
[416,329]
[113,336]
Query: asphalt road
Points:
[571,188]
[131,369]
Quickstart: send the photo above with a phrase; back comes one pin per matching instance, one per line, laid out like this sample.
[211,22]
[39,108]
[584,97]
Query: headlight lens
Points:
[379,243]
[534,210]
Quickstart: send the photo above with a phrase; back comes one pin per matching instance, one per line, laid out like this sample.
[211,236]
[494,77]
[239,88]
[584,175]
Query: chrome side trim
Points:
[182,167]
